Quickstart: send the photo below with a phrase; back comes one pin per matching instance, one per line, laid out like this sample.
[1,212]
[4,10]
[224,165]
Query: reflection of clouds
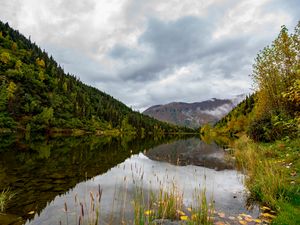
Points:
[126,177]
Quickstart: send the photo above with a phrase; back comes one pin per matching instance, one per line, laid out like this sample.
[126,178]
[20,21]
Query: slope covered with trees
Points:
[273,112]
[238,118]
[37,95]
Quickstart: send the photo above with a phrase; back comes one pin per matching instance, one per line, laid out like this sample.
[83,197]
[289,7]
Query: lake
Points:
[54,179]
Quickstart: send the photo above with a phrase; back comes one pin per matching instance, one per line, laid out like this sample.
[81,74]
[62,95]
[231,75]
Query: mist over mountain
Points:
[194,114]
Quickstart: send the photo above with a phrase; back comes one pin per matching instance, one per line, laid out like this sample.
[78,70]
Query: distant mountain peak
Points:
[194,114]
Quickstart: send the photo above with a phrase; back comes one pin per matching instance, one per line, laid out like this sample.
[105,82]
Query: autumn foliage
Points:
[273,111]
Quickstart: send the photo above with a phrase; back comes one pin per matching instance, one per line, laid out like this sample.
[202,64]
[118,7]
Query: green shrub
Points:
[6,121]
[273,127]
[258,128]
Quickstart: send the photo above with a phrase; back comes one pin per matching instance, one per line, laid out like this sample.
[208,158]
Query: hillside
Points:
[193,114]
[273,112]
[37,95]
[238,118]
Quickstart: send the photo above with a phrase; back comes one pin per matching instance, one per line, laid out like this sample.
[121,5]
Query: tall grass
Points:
[272,176]
[167,204]
[203,211]
[89,212]
[149,206]
[5,196]
[264,179]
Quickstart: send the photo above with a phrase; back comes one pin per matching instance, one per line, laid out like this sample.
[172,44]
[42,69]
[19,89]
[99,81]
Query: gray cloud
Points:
[292,7]
[187,40]
[173,43]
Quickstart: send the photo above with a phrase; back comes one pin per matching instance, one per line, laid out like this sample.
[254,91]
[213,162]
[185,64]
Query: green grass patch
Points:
[273,175]
[289,215]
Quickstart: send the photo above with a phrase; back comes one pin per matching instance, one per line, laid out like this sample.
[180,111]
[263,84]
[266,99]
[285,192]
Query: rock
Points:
[168,222]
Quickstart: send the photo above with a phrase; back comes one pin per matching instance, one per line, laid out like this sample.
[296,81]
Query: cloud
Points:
[153,52]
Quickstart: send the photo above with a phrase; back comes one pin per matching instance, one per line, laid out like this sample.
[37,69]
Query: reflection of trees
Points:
[191,152]
[42,168]
[6,141]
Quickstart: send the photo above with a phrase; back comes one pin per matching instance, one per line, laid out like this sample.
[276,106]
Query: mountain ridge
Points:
[194,114]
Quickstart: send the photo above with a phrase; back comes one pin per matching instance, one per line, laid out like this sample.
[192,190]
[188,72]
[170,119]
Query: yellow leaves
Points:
[41,76]
[293,93]
[184,217]
[180,213]
[18,64]
[248,219]
[245,219]
[11,89]
[268,215]
[31,213]
[4,57]
[265,208]
[40,62]
[149,212]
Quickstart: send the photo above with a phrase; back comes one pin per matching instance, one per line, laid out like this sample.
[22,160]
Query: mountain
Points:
[194,114]
[37,95]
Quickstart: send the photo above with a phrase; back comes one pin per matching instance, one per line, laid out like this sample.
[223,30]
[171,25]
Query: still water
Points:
[54,179]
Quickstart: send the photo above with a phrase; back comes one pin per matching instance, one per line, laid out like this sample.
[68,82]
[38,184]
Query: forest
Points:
[37,95]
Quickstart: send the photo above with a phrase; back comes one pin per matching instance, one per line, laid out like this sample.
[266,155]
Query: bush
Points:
[273,127]
[258,128]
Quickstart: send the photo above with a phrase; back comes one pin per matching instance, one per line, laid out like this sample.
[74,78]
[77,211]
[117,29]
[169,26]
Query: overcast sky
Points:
[148,52]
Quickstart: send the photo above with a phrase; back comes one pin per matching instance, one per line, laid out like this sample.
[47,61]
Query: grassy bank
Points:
[272,176]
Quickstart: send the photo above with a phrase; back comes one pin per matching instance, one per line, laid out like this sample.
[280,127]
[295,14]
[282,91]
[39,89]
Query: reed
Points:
[149,206]
[86,213]
[167,204]
[5,196]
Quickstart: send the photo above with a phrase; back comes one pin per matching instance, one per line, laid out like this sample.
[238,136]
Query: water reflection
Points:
[120,183]
[140,171]
[192,152]
[51,173]
[43,168]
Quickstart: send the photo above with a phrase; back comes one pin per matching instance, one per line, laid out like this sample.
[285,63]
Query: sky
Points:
[152,52]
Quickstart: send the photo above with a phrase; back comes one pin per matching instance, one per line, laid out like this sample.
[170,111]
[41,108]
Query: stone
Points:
[168,222]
